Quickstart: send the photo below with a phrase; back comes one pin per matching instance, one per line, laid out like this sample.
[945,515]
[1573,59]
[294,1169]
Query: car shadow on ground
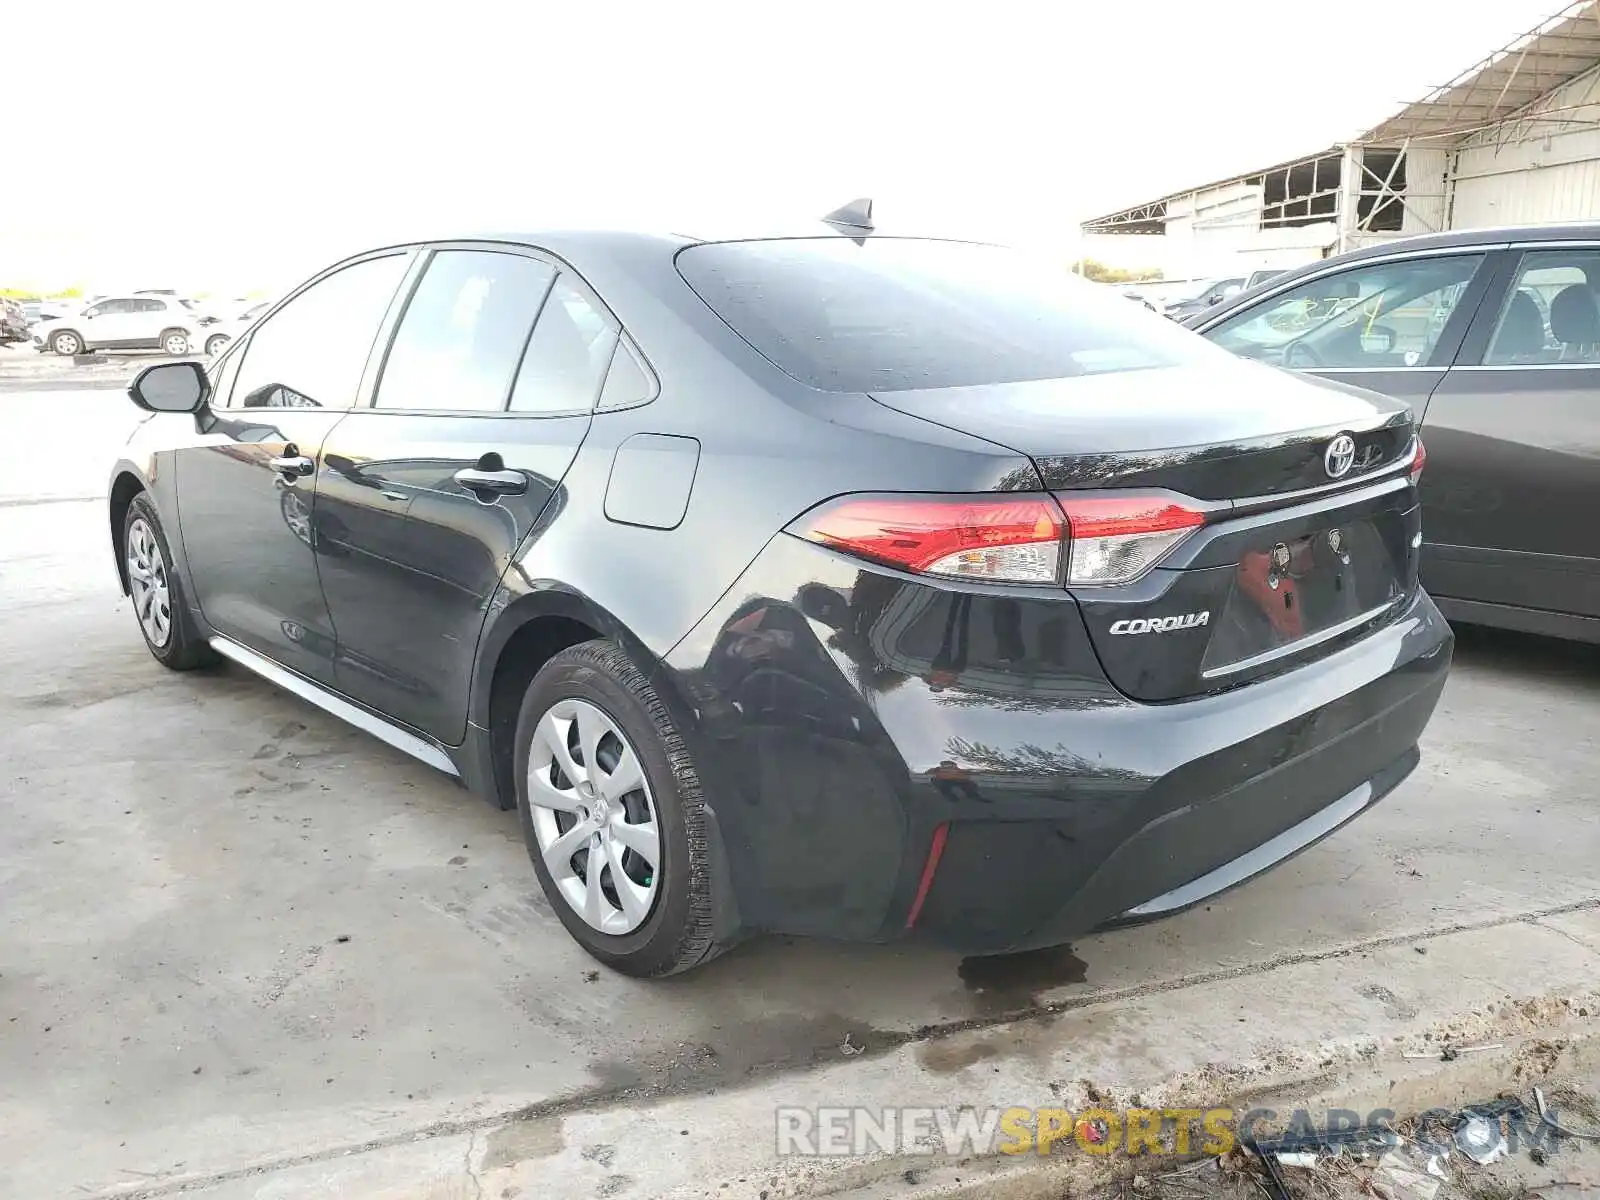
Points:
[1528,653]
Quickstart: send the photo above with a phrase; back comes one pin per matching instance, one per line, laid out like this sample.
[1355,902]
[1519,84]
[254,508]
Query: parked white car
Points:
[167,323]
[219,335]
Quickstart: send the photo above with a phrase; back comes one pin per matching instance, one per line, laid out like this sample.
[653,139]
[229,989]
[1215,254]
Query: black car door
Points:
[485,395]
[246,483]
[1392,325]
[1513,435]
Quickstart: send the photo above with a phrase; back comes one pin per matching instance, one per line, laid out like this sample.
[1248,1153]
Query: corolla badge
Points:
[1161,624]
[1340,454]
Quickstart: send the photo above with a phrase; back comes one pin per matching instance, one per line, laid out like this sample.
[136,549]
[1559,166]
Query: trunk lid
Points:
[1219,432]
[1311,526]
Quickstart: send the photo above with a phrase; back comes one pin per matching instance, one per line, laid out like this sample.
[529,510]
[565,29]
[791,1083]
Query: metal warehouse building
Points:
[1513,140]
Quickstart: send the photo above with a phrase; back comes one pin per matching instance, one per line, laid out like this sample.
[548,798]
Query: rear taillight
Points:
[1001,538]
[1102,539]
[1419,459]
[1116,539]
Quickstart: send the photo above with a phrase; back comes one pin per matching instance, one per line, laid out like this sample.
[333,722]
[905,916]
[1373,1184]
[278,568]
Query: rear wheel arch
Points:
[526,636]
[530,631]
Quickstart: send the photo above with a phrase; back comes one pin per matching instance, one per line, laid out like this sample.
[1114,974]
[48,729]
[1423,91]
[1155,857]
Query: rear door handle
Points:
[501,483]
[292,466]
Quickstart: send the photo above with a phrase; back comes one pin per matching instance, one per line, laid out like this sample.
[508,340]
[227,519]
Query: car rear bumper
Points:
[889,758]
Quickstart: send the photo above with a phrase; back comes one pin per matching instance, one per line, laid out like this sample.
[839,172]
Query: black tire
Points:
[215,344]
[184,648]
[174,336]
[678,934]
[58,338]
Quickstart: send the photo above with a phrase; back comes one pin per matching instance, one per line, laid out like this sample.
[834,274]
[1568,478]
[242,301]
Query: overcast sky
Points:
[231,145]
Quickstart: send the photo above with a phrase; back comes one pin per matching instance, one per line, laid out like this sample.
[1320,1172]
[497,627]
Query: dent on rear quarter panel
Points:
[838,696]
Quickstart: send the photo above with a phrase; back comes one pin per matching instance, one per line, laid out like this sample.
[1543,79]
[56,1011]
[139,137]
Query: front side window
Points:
[1551,314]
[464,331]
[311,353]
[1389,314]
[568,355]
[895,314]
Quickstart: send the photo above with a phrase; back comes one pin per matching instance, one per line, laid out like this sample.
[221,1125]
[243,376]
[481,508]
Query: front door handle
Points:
[501,483]
[292,466]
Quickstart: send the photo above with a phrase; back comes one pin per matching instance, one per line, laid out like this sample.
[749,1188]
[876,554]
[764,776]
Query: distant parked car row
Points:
[1215,291]
[149,320]
[1179,299]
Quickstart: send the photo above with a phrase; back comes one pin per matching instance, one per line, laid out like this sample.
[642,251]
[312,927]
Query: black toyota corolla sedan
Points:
[839,584]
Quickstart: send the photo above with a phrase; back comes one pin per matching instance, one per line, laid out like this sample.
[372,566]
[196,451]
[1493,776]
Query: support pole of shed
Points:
[1349,197]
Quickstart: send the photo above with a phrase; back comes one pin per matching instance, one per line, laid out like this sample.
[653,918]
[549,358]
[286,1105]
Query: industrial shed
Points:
[1515,139]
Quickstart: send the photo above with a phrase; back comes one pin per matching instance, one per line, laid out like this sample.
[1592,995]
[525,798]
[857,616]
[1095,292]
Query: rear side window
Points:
[311,352]
[895,314]
[1552,313]
[629,381]
[567,356]
[463,332]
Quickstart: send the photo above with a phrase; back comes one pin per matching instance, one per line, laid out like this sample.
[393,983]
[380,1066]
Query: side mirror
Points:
[171,388]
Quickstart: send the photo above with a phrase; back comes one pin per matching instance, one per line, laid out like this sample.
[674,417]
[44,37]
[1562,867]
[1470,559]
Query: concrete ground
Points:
[248,951]
[22,368]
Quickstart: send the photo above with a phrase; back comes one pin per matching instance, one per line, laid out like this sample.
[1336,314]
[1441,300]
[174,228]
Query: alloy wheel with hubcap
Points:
[594,817]
[615,817]
[66,343]
[148,583]
[176,344]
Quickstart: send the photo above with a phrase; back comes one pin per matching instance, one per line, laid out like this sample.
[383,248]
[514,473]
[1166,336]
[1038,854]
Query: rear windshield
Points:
[895,314]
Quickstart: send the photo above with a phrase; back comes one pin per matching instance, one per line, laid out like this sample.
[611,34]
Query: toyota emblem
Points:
[1340,454]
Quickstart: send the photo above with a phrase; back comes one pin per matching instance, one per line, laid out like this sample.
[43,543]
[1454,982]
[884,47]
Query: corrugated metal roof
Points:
[1507,81]
[1499,86]
[1155,210]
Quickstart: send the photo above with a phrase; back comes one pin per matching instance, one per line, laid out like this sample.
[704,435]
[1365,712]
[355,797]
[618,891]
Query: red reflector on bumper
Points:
[935,850]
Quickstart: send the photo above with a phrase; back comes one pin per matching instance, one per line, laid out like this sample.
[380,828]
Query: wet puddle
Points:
[1012,982]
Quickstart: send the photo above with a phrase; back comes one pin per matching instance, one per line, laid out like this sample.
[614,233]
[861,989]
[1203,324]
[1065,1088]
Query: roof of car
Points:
[1454,239]
[559,240]
[1491,236]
